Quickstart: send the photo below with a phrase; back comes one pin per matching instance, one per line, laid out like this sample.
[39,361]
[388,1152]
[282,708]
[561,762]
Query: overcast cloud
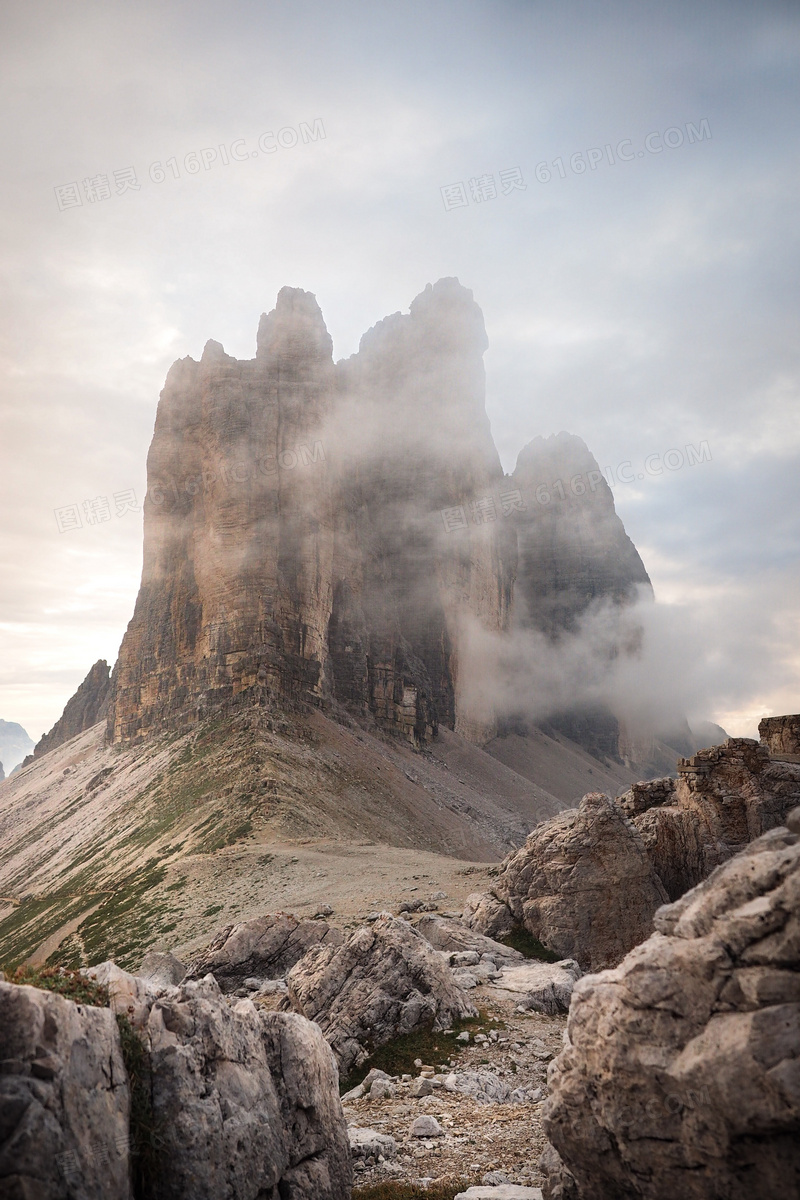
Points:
[647,303]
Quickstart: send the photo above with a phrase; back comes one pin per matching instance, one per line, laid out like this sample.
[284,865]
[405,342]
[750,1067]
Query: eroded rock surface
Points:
[246,1101]
[724,798]
[454,937]
[587,882]
[64,1099]
[544,987]
[384,981]
[781,736]
[264,948]
[294,545]
[681,1074]
[583,884]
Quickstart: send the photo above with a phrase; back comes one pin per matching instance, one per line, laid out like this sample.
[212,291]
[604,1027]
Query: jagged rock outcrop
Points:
[294,544]
[588,882]
[83,710]
[582,884]
[681,1073]
[260,949]
[246,1102]
[64,1099]
[724,797]
[485,913]
[2,773]
[781,736]
[386,980]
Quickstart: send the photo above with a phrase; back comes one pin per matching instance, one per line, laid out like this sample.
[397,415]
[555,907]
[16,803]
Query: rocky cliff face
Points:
[88,706]
[573,548]
[294,539]
[781,736]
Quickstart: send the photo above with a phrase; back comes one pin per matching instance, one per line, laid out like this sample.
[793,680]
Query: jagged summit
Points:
[338,534]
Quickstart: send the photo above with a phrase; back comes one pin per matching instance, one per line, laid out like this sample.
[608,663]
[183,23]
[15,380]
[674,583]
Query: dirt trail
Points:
[43,952]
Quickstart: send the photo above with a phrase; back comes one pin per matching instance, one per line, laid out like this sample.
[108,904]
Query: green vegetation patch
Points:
[64,981]
[440,1189]
[520,939]
[397,1056]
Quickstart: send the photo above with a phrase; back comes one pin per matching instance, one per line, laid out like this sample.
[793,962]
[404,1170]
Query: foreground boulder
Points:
[587,882]
[247,1102]
[261,949]
[583,884]
[64,1099]
[681,1074]
[386,980]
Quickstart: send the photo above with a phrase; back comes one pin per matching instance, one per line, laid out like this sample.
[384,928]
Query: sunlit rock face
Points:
[295,544]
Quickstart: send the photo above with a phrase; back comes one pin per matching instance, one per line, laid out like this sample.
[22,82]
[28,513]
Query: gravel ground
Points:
[478,1138]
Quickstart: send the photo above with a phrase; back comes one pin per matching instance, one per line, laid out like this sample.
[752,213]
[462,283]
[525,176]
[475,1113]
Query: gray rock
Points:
[247,1101]
[543,987]
[421,1087]
[485,914]
[162,970]
[265,948]
[425,1127]
[381,1089]
[455,937]
[64,1098]
[129,995]
[367,1144]
[483,1086]
[466,979]
[680,1073]
[464,958]
[383,982]
[505,1191]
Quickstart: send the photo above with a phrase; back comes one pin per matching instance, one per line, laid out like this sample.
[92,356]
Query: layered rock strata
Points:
[588,882]
[294,544]
[781,736]
[680,1074]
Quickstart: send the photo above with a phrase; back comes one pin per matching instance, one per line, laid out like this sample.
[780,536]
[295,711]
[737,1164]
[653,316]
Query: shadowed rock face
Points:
[573,548]
[293,536]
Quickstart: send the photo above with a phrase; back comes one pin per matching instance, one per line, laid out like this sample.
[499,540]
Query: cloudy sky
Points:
[621,192]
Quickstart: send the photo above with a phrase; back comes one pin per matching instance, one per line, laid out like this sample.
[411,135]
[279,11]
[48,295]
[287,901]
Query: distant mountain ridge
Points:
[14,745]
